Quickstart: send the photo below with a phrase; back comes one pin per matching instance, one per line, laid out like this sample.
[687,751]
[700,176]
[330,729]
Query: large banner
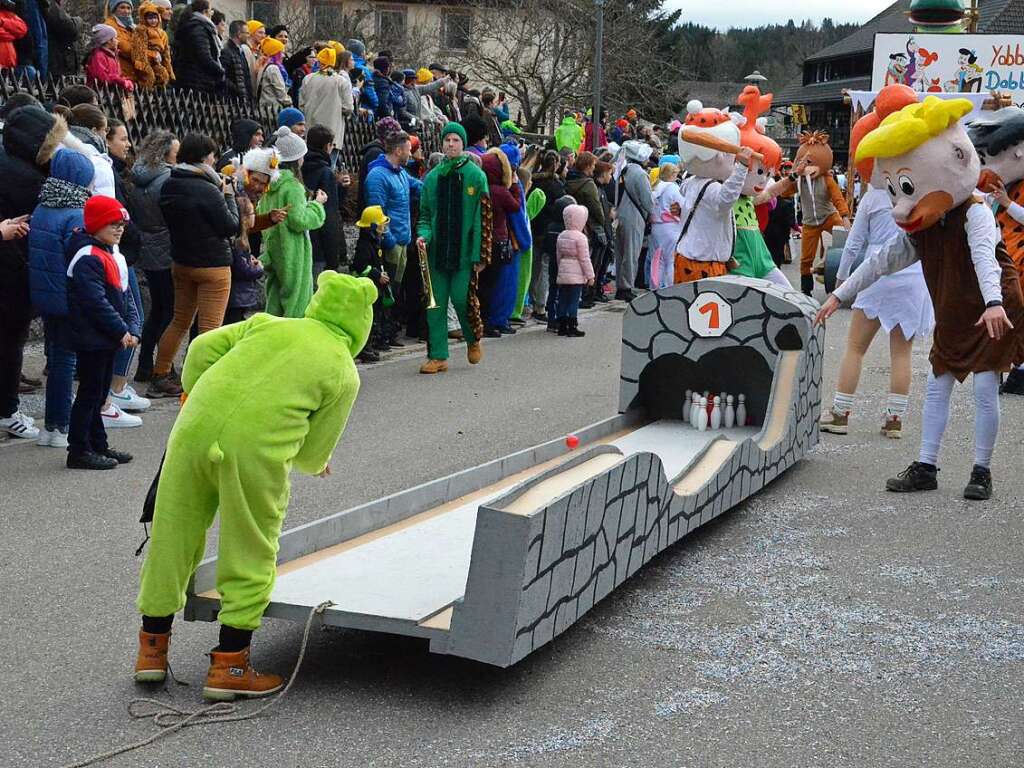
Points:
[950,63]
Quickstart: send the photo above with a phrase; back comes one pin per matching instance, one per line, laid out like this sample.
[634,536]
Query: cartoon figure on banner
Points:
[931,170]
[920,80]
[750,251]
[998,137]
[709,149]
[896,72]
[967,76]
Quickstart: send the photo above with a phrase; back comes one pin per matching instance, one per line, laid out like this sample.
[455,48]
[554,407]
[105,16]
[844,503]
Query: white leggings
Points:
[778,278]
[936,416]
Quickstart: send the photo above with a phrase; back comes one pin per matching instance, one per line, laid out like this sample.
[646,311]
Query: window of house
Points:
[455,30]
[263,10]
[327,20]
[390,26]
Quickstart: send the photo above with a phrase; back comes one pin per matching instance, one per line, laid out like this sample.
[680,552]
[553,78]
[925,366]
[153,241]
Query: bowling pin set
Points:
[714,411]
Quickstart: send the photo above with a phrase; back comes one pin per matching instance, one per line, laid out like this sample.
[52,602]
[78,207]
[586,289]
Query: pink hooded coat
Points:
[573,248]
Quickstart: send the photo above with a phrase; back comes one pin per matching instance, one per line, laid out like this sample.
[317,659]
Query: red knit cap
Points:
[100,211]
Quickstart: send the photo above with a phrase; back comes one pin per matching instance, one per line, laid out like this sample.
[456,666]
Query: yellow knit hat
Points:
[327,58]
[338,47]
[271,46]
[424,76]
[372,215]
[252,25]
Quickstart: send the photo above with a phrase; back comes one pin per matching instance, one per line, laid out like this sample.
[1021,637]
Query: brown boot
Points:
[231,676]
[474,353]
[151,663]
[434,366]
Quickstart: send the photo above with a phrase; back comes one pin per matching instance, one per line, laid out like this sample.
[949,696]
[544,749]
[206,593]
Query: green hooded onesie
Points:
[450,223]
[569,135]
[749,248]
[264,395]
[287,252]
[534,204]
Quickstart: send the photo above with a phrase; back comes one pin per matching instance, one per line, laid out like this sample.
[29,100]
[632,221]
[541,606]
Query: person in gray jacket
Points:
[634,209]
[415,88]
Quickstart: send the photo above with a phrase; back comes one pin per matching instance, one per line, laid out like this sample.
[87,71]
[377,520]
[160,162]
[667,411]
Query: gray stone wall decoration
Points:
[493,562]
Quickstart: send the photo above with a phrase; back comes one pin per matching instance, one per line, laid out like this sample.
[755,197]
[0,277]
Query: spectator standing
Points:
[202,217]
[372,150]
[489,100]
[606,250]
[421,95]
[292,119]
[381,85]
[63,32]
[495,280]
[569,135]
[575,269]
[318,174]
[326,96]
[102,64]
[102,320]
[12,29]
[89,126]
[59,212]
[548,181]
[237,74]
[220,23]
[634,209]
[476,134]
[157,154]
[151,50]
[257,34]
[297,66]
[120,20]
[197,50]
[287,250]
[246,270]
[271,88]
[246,134]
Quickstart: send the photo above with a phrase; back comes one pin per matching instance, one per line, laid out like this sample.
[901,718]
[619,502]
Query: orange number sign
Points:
[711,308]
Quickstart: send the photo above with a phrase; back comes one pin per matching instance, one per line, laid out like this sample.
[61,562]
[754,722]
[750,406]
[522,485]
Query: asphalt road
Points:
[822,623]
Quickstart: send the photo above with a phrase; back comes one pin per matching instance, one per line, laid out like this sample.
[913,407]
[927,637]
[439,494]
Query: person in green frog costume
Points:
[535,203]
[263,396]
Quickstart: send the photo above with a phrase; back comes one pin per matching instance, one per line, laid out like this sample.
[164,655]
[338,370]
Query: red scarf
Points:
[110,270]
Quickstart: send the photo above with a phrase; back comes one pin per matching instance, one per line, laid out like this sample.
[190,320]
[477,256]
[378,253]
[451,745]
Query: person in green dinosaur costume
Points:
[450,226]
[263,396]
[534,204]
[287,255]
[569,134]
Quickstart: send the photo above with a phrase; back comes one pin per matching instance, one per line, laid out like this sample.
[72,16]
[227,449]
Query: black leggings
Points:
[161,311]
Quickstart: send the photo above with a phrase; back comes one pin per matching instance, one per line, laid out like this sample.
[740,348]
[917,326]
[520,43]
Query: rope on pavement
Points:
[171,719]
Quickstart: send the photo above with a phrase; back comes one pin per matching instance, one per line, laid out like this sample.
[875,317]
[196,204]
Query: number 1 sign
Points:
[710,315]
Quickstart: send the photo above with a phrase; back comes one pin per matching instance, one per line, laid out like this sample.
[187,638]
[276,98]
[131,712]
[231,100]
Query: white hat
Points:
[638,151]
[262,161]
[289,146]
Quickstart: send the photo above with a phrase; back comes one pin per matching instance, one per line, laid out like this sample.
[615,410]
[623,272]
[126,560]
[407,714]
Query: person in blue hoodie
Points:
[54,221]
[367,94]
[102,319]
[391,187]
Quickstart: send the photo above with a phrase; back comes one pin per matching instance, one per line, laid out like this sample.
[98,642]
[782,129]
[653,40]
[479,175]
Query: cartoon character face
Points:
[704,162]
[930,180]
[814,157]
[756,181]
[998,137]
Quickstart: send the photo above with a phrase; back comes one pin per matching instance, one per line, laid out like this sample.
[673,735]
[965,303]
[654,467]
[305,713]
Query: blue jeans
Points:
[60,360]
[123,358]
[569,301]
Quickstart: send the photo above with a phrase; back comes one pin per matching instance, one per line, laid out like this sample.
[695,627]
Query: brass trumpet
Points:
[428,288]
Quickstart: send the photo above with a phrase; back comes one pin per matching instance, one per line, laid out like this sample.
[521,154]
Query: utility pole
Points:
[598,46]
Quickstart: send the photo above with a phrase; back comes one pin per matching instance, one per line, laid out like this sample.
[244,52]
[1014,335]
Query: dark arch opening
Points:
[788,339]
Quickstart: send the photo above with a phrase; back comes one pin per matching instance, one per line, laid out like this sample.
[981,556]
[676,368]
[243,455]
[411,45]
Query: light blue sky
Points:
[754,13]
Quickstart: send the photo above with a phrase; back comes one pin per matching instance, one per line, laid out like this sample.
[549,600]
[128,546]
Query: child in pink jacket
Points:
[574,269]
[101,65]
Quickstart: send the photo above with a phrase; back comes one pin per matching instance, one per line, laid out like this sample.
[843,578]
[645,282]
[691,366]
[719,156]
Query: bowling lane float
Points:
[492,562]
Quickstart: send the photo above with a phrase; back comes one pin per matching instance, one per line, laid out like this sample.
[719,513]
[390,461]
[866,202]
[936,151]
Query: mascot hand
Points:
[996,322]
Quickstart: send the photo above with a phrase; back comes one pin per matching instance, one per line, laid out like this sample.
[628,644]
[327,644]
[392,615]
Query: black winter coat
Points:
[369,253]
[197,55]
[131,240]
[367,155]
[201,219]
[245,278]
[99,314]
[63,33]
[317,174]
[236,71]
[382,87]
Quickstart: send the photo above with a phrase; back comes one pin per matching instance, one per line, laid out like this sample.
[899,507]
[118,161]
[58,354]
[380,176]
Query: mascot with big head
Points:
[930,170]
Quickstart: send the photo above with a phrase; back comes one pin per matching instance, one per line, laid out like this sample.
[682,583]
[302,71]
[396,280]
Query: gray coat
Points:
[638,186]
[413,103]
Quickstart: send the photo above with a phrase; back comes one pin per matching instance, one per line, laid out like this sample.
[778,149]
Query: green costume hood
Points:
[345,305]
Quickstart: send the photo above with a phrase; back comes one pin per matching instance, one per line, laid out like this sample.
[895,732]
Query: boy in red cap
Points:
[103,318]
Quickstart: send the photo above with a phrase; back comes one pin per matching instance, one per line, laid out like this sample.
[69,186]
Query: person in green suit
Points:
[287,255]
[264,396]
[569,135]
[450,227]
[535,203]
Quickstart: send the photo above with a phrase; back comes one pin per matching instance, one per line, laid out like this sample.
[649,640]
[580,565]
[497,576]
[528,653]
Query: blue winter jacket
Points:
[518,222]
[52,228]
[367,96]
[392,189]
[99,314]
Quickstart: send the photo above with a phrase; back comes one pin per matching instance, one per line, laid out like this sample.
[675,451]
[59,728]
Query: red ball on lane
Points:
[572,442]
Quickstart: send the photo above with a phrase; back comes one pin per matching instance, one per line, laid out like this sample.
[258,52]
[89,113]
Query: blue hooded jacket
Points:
[518,222]
[392,189]
[52,228]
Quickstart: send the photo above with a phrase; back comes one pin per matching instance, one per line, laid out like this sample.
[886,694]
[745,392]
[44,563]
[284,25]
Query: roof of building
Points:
[994,17]
[798,93]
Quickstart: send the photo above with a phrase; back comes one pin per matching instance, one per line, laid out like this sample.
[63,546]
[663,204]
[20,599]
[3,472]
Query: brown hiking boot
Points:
[151,663]
[892,427]
[164,385]
[474,353]
[434,366]
[231,676]
[835,423]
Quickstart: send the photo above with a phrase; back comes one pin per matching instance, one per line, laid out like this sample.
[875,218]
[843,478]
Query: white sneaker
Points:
[129,400]
[20,425]
[53,438]
[115,418]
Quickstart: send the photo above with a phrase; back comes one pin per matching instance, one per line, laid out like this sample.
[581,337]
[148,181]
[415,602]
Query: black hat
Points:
[476,129]
[33,134]
[439,68]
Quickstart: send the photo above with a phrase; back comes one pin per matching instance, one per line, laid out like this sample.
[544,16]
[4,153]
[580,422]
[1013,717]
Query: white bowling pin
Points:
[702,415]
[687,406]
[694,405]
[730,412]
[716,413]
[741,412]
